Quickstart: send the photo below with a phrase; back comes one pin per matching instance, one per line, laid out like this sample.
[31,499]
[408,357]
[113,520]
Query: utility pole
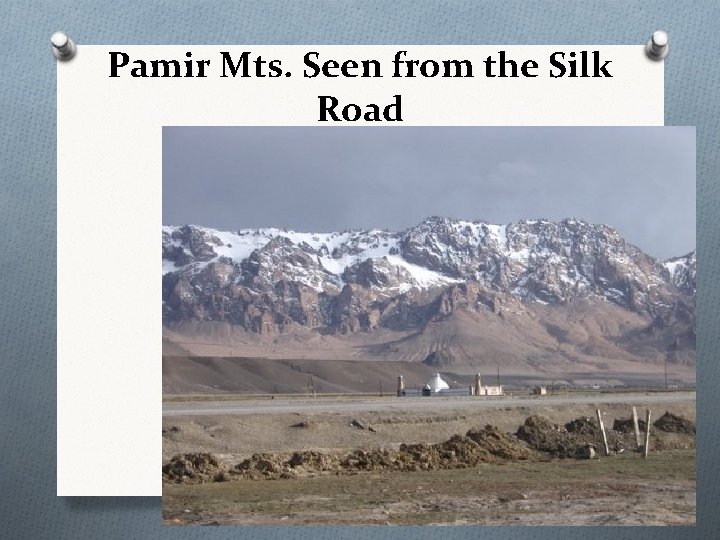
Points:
[498,375]
[666,383]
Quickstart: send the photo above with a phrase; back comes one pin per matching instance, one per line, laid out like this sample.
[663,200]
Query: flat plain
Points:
[541,488]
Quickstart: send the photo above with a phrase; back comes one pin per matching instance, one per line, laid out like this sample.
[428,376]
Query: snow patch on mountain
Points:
[535,260]
[682,271]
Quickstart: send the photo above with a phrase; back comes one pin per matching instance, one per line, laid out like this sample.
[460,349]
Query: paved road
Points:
[410,403]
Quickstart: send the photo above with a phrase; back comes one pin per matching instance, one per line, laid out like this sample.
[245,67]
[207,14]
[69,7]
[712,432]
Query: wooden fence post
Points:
[602,428]
[647,432]
[636,424]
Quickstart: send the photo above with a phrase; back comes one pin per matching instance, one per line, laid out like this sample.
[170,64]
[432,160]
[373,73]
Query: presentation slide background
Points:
[28,505]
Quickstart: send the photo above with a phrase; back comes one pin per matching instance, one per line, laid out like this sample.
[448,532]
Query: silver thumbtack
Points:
[62,46]
[657,46]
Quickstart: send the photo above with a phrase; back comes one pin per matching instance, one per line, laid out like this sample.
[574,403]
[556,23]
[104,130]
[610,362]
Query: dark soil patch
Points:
[572,440]
[674,424]
[625,425]
[584,426]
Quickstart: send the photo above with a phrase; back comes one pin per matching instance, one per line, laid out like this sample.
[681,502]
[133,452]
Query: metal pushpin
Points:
[657,46]
[62,46]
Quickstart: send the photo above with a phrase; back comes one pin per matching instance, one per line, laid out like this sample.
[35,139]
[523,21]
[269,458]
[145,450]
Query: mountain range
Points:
[532,296]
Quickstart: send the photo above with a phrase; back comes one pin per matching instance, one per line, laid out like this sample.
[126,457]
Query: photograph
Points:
[428,325]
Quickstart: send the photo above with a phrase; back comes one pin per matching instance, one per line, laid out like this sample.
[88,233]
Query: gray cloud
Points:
[638,180]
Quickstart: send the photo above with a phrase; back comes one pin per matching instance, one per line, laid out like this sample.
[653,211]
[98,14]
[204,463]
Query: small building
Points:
[491,391]
[540,390]
[437,386]
[481,390]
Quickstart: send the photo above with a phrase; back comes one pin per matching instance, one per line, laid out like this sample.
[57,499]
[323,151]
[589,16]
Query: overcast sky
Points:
[639,180]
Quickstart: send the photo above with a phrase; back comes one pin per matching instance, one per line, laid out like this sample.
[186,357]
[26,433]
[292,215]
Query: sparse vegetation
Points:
[661,491]
[412,470]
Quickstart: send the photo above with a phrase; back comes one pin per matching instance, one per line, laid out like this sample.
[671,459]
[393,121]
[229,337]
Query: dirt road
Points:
[391,404]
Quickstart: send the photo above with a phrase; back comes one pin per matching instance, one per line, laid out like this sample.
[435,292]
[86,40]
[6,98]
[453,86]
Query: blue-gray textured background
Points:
[28,506]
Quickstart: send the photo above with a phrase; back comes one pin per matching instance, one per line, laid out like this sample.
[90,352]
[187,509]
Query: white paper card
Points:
[109,192]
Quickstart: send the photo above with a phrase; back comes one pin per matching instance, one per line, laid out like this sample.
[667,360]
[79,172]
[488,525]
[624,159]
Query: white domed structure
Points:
[436,384]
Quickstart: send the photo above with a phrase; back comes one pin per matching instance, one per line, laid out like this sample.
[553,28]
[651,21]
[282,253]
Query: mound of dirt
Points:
[625,425]
[571,441]
[272,466]
[455,453]
[197,468]
[460,451]
[674,424]
[477,446]
[316,461]
[584,426]
[499,444]
[579,438]
[543,435]
[370,460]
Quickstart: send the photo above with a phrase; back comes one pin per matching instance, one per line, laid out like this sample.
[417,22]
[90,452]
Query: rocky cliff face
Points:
[682,273]
[272,281]
[533,294]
